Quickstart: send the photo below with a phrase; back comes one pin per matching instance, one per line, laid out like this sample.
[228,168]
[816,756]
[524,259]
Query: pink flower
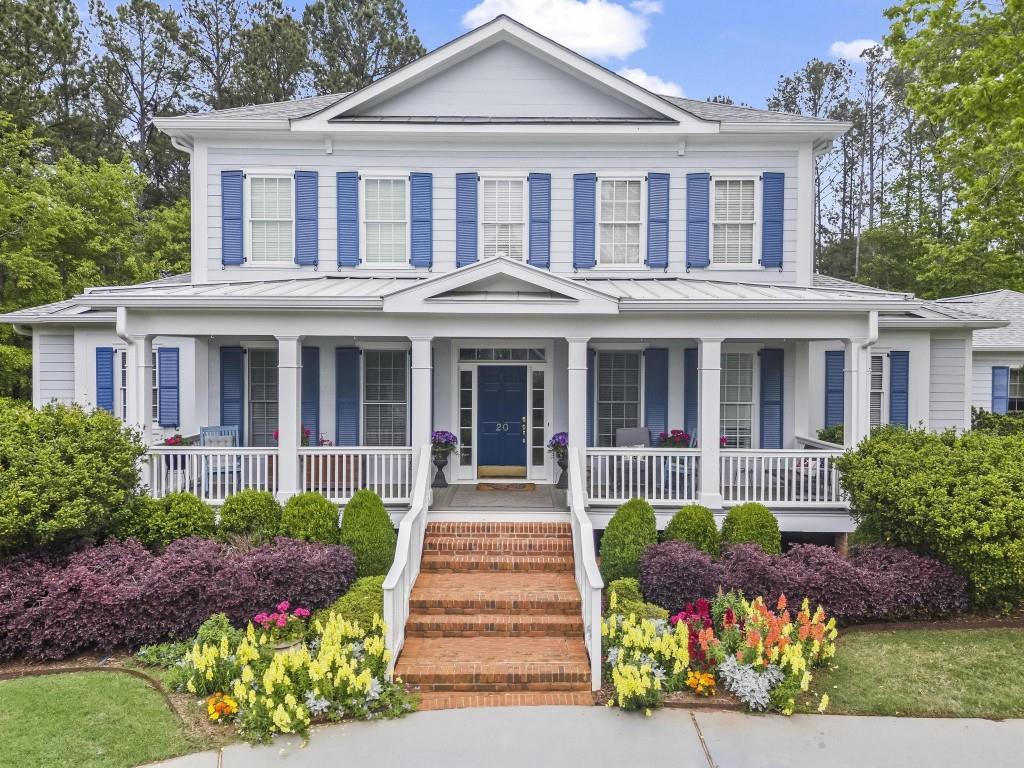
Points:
[302,613]
[282,621]
[283,606]
[260,618]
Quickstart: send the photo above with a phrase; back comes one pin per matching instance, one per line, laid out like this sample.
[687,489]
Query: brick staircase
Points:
[494,618]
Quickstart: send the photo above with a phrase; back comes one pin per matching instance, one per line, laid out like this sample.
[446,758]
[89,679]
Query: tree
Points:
[212,46]
[354,42]
[273,60]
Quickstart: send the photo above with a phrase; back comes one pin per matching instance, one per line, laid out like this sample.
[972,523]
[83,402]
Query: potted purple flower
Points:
[442,444]
[558,446]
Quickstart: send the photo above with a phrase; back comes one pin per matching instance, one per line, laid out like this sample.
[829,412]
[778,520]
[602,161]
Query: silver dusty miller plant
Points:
[752,687]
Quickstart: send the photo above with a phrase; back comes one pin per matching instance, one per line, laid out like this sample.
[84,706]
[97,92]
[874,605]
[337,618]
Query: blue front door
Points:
[501,402]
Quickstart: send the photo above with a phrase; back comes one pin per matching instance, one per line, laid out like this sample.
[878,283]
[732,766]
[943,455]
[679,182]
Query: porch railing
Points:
[782,478]
[212,474]
[338,472]
[660,475]
[588,577]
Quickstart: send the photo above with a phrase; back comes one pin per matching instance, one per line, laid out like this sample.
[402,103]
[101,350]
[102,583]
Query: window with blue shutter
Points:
[591,370]
[421,222]
[771,398]
[232,390]
[656,392]
[540,220]
[346,396]
[232,252]
[465,218]
[773,210]
[657,220]
[310,400]
[168,387]
[691,398]
[1000,389]
[306,218]
[899,387]
[347,183]
[698,200]
[584,204]
[835,407]
[105,378]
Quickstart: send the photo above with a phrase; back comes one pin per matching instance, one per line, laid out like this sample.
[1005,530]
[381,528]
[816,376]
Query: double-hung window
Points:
[503,218]
[737,404]
[386,220]
[620,222]
[385,397]
[732,221]
[877,392]
[154,385]
[271,219]
[263,396]
[1016,401]
[122,387]
[618,394]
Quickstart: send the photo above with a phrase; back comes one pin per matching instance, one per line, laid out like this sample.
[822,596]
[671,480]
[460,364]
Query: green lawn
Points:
[88,720]
[927,672]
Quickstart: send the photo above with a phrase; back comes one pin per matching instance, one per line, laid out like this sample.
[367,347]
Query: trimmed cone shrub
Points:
[310,517]
[360,604]
[695,524]
[251,513]
[367,530]
[752,523]
[675,573]
[631,530]
[177,516]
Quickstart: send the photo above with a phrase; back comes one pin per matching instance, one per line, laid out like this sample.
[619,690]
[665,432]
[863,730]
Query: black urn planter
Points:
[563,478]
[440,461]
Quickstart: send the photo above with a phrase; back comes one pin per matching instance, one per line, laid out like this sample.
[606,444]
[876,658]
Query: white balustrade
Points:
[782,478]
[212,474]
[667,476]
[338,472]
[588,577]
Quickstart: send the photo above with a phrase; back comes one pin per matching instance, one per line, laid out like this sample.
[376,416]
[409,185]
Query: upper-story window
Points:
[271,219]
[732,221]
[503,218]
[386,220]
[619,222]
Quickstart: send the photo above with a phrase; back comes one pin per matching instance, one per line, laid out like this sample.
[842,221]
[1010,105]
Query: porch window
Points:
[385,397]
[154,385]
[122,388]
[1016,402]
[538,438]
[263,404]
[618,394]
[620,221]
[877,391]
[466,418]
[387,220]
[737,404]
[271,222]
[503,218]
[733,222]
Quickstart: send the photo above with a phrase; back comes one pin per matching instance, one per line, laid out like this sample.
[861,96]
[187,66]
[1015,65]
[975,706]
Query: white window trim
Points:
[502,176]
[385,176]
[755,255]
[642,261]
[249,262]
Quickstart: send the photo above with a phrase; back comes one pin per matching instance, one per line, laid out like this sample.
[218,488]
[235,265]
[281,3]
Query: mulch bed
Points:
[680,700]
[1013,620]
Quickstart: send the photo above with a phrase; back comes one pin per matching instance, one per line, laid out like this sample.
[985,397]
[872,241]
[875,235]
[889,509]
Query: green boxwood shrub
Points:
[833,434]
[214,628]
[310,517]
[367,530]
[629,600]
[631,530]
[250,513]
[752,523]
[696,524]
[360,604]
[176,516]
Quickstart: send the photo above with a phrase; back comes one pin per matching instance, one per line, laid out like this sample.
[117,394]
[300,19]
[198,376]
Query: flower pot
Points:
[286,645]
[439,480]
[563,477]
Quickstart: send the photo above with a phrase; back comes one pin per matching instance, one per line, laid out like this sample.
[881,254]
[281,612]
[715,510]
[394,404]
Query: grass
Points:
[87,719]
[926,673]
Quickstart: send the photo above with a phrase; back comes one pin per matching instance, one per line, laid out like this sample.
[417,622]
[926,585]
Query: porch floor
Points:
[454,498]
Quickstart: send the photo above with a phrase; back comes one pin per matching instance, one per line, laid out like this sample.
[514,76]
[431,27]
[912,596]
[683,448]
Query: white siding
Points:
[981,374]
[53,372]
[948,392]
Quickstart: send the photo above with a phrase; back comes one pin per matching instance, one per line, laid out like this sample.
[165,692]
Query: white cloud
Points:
[850,49]
[595,28]
[652,83]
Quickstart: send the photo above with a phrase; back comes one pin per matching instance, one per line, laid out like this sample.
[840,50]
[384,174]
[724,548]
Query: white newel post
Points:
[709,366]
[289,419]
[420,395]
[853,415]
[577,387]
[140,398]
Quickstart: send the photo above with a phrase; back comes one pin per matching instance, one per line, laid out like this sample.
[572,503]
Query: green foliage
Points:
[363,601]
[163,655]
[833,434]
[696,525]
[956,497]
[64,474]
[178,515]
[629,600]
[367,530]
[752,523]
[310,517]
[250,513]
[631,530]
[214,628]
[997,423]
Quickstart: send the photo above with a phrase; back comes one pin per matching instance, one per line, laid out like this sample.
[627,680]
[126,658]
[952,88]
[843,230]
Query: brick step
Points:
[433,700]
[499,544]
[507,529]
[461,562]
[508,593]
[494,625]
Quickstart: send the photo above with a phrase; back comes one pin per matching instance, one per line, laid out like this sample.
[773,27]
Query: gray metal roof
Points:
[1005,304]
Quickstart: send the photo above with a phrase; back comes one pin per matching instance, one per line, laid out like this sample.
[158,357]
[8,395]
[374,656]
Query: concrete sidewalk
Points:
[567,737]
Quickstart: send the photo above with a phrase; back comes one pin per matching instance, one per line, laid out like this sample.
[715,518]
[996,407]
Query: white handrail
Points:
[813,442]
[408,553]
[588,577]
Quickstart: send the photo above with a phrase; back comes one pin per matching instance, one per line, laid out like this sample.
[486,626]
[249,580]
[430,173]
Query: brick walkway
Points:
[495,618]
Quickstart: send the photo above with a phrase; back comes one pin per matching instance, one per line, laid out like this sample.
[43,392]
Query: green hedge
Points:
[752,523]
[631,530]
[250,513]
[694,524]
[176,516]
[310,517]
[367,530]
[361,603]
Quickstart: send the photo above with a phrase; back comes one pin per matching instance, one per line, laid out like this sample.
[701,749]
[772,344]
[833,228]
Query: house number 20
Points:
[501,426]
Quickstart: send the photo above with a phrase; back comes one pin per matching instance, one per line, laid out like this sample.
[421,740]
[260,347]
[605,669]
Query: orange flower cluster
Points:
[221,707]
[701,683]
[771,635]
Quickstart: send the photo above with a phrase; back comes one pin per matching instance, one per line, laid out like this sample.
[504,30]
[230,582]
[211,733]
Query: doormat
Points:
[506,486]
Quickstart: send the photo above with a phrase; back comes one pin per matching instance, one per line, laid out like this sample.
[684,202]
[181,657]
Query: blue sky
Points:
[735,47]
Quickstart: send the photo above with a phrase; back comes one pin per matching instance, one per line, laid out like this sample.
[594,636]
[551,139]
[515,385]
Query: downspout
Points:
[180,144]
[121,324]
[24,331]
[872,336]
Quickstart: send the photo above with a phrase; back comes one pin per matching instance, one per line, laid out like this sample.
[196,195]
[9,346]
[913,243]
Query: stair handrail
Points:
[408,554]
[588,576]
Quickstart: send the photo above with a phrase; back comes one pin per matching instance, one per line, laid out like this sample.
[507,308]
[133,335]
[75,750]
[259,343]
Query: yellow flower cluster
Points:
[642,653]
[210,668]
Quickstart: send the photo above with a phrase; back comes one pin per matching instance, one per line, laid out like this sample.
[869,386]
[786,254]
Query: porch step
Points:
[495,593]
[495,544]
[506,530]
[493,625]
[461,562]
[435,700]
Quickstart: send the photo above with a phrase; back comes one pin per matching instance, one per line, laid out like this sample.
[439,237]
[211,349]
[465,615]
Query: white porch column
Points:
[854,413]
[289,420]
[709,367]
[140,386]
[577,391]
[422,370]
[801,387]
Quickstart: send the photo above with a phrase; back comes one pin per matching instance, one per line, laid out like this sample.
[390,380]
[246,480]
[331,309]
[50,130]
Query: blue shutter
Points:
[232,252]
[657,220]
[105,378]
[591,364]
[698,186]
[1000,389]
[772,208]
[306,226]
[835,397]
[771,398]
[168,387]
[691,397]
[899,387]
[347,183]
[310,405]
[540,220]
[346,396]
[421,220]
[232,390]
[465,218]
[656,392]
[584,202]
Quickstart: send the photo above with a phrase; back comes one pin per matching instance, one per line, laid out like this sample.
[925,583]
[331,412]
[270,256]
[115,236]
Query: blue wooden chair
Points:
[219,437]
